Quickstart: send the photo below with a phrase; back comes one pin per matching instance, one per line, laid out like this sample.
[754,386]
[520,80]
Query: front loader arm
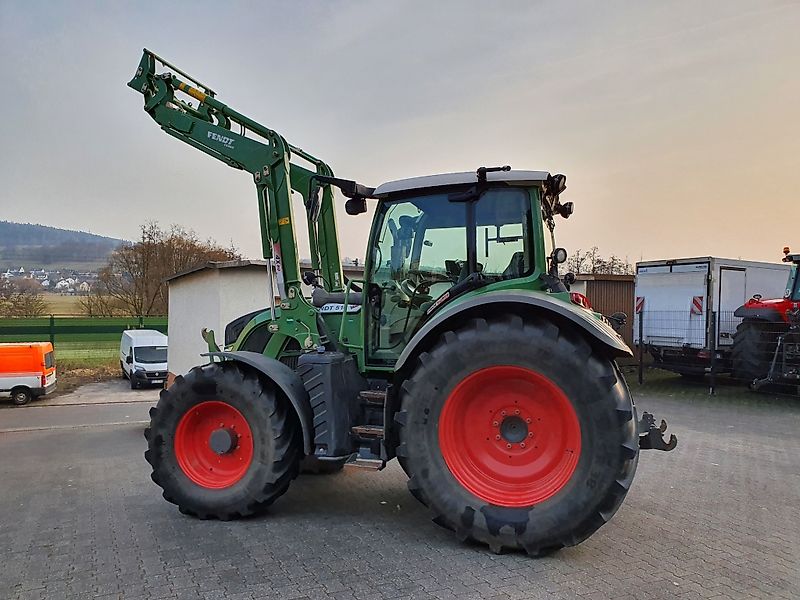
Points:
[207,127]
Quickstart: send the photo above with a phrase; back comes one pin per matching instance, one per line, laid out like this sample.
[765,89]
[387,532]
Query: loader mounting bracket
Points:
[651,437]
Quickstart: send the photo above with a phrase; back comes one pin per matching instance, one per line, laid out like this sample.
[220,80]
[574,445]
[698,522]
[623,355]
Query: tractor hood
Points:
[771,310]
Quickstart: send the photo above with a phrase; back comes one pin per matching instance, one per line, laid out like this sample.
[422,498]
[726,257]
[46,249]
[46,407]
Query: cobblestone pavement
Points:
[716,518]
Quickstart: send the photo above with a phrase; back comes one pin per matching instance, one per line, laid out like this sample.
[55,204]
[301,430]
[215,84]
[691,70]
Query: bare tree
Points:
[99,304]
[22,298]
[592,262]
[133,281]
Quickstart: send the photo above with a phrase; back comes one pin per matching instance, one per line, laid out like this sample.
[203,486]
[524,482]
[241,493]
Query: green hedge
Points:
[86,329]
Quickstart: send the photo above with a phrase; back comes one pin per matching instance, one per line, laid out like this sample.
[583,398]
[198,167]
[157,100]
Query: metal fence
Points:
[699,345]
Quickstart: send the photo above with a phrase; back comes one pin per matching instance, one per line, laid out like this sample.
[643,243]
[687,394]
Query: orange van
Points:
[27,370]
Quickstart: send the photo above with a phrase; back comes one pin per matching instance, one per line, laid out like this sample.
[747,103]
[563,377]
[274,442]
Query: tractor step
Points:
[367,431]
[359,462]
[373,396]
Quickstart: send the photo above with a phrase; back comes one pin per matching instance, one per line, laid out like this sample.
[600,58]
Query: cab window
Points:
[503,217]
[428,245]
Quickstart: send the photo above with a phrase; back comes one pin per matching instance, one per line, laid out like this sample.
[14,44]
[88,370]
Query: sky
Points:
[676,122]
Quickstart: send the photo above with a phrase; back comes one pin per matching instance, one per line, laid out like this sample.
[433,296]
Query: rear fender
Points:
[496,303]
[287,381]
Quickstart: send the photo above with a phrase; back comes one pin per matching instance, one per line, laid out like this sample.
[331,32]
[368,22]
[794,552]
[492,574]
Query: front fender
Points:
[287,381]
[596,329]
[759,313]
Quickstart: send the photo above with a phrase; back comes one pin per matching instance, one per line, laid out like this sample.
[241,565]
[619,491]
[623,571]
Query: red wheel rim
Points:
[214,444]
[510,436]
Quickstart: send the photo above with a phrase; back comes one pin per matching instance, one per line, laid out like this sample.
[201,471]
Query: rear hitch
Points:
[652,437]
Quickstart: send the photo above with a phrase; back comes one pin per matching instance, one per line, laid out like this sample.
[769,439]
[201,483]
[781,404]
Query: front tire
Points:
[753,348]
[221,443]
[518,435]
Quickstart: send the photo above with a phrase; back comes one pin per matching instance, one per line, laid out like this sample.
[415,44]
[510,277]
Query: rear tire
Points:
[752,351]
[20,396]
[566,397]
[252,473]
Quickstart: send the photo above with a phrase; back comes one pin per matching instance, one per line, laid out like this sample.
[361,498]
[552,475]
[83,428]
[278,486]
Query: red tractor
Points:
[766,346]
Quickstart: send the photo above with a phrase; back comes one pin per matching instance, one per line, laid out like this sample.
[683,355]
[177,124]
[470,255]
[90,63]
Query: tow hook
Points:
[651,437]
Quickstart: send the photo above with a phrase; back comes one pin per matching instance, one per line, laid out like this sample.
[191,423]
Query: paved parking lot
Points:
[717,518]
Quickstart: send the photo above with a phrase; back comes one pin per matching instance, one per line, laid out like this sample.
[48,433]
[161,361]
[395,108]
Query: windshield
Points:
[150,354]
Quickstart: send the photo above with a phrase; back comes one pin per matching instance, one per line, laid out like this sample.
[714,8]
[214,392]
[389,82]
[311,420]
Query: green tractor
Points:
[461,352]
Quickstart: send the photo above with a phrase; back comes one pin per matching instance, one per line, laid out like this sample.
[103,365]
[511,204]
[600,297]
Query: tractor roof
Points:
[446,179]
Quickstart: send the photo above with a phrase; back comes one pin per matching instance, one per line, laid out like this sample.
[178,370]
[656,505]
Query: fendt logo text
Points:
[223,139]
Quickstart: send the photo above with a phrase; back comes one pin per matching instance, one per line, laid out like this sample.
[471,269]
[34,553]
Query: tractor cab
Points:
[437,238]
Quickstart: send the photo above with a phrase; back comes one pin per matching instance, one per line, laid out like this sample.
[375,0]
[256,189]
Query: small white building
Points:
[210,297]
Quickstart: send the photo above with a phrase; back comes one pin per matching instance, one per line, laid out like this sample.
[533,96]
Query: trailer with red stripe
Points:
[687,307]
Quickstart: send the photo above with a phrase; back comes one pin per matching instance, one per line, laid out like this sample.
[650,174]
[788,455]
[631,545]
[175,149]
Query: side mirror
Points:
[129,359]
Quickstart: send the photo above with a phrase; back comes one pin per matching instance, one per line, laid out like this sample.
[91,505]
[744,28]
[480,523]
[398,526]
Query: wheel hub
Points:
[223,440]
[514,430]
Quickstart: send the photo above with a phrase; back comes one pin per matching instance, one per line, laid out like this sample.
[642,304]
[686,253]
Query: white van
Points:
[143,357]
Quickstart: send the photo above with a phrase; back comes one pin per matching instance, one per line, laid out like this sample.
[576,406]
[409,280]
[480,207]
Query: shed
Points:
[609,294]
[210,296]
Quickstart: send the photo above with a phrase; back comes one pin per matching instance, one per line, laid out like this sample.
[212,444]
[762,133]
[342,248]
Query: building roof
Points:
[227,264]
[443,179]
[603,277]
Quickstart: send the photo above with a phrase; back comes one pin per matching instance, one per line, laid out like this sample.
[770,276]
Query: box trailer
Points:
[686,307]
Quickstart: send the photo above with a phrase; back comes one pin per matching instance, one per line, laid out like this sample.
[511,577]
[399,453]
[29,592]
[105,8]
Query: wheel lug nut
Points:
[530,434]
[522,444]
[516,412]
[497,437]
[495,423]
[527,420]
[508,445]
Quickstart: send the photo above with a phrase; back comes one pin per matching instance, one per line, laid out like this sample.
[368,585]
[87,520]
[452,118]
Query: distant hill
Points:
[30,246]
